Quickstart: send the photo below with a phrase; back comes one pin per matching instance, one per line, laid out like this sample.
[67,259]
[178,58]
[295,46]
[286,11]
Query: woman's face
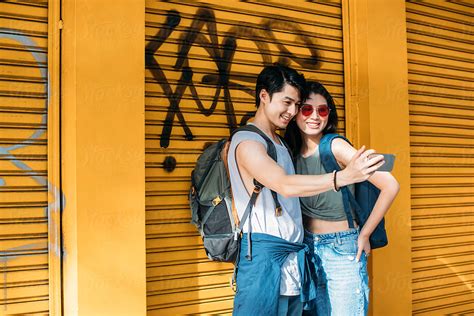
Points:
[313,115]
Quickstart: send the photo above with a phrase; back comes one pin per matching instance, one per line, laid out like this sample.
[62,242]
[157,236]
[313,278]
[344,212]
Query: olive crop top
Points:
[327,205]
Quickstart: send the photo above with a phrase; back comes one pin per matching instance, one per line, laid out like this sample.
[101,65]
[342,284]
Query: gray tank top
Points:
[327,206]
[287,226]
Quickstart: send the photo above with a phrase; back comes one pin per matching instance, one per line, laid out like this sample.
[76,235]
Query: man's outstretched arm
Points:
[254,163]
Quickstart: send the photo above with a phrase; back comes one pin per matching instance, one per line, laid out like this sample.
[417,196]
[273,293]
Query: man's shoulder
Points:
[241,136]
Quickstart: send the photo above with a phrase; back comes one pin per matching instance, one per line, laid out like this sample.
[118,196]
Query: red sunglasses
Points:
[307,110]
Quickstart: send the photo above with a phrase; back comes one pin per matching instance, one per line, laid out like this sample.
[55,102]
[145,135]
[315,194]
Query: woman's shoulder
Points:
[334,142]
[333,137]
[342,150]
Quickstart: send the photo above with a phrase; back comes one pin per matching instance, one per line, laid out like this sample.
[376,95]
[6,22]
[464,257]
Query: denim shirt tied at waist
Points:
[258,280]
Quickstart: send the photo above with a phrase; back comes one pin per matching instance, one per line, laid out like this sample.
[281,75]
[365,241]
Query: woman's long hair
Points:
[293,133]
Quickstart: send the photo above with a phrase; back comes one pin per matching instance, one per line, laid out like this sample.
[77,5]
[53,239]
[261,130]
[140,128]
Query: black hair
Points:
[293,133]
[273,79]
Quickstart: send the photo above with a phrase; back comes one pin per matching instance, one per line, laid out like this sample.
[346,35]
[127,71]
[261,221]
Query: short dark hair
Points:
[293,133]
[273,79]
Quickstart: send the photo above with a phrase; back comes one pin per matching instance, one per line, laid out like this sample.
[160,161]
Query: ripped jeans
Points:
[342,281]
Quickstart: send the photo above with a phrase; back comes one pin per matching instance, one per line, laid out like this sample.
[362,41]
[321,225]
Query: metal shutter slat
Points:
[440,66]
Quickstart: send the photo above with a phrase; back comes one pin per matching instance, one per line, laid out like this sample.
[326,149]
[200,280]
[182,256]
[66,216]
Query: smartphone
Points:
[389,162]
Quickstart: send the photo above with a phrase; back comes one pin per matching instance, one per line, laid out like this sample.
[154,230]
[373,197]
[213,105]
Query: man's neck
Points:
[262,122]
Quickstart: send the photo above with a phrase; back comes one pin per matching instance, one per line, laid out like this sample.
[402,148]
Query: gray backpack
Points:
[210,199]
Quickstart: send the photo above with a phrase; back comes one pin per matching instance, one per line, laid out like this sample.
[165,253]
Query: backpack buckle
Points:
[257,189]
[233,284]
[278,211]
[216,200]
[237,234]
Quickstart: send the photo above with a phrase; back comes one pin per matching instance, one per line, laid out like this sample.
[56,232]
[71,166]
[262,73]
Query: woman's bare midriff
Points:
[319,226]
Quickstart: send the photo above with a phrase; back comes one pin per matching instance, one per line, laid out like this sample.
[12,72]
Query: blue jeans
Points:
[343,285]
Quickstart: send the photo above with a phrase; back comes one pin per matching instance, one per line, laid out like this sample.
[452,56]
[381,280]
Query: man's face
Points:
[282,107]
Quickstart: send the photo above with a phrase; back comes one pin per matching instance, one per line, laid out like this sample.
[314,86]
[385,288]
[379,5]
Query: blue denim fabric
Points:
[343,284]
[258,280]
[290,306]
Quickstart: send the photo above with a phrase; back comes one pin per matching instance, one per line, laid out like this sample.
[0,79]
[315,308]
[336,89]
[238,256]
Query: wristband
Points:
[335,188]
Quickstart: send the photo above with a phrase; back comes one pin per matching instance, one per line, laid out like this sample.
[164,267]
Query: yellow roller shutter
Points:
[27,198]
[440,63]
[202,60]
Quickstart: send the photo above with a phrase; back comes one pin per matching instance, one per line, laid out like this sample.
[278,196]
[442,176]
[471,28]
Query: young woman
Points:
[340,252]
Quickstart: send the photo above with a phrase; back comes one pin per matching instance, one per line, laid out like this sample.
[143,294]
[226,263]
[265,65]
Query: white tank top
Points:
[288,226]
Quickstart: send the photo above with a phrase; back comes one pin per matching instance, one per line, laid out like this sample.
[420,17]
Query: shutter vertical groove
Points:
[24,157]
[202,61]
[440,65]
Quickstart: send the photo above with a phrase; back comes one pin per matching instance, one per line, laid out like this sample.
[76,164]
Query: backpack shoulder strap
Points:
[325,152]
[330,164]
[252,128]
[284,143]
[224,156]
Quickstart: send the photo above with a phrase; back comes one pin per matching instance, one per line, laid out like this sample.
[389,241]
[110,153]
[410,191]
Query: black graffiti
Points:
[222,55]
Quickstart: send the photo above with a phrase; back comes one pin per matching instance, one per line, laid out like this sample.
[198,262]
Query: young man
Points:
[272,280]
